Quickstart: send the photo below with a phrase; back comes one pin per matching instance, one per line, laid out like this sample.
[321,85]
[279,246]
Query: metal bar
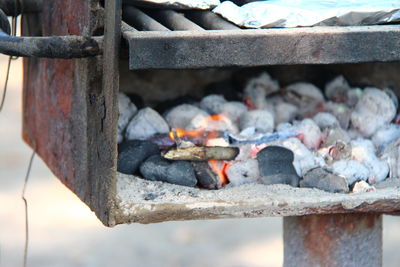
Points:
[210,21]
[316,45]
[174,20]
[140,20]
[16,7]
[333,240]
[51,47]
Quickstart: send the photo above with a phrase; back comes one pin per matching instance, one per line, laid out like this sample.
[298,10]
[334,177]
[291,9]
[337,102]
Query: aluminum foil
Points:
[181,4]
[295,13]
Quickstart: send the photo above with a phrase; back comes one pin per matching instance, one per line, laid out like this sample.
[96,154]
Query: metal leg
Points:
[333,240]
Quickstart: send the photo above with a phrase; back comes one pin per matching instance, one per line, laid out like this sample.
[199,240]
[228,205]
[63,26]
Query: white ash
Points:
[386,135]
[304,95]
[353,96]
[351,170]
[222,124]
[374,110]
[340,111]
[311,134]
[126,111]
[145,124]
[285,112]
[257,89]
[212,103]
[233,110]
[337,89]
[261,120]
[304,159]
[181,116]
[354,134]
[363,187]
[325,120]
[363,151]
[243,172]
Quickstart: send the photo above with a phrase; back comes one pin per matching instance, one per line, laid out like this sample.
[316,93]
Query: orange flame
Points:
[220,167]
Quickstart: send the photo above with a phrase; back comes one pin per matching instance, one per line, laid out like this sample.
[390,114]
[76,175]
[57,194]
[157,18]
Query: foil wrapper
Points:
[289,13]
[179,4]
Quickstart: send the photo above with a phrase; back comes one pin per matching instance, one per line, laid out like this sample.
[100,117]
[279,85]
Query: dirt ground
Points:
[64,232]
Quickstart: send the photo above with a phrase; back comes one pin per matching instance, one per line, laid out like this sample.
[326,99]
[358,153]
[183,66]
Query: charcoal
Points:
[180,116]
[212,103]
[325,120]
[324,180]
[374,110]
[352,170]
[258,88]
[155,168]
[133,153]
[205,176]
[233,110]
[304,95]
[145,124]
[362,187]
[243,172]
[126,111]
[262,120]
[337,89]
[169,104]
[276,166]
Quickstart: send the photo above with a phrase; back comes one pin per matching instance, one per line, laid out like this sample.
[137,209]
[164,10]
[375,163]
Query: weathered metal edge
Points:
[312,45]
[141,201]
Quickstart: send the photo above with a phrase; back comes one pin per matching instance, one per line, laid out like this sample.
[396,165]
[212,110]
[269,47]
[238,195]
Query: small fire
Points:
[219,167]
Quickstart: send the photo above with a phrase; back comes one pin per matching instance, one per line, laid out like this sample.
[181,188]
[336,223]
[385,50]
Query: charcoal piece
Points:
[276,166]
[155,168]
[205,176]
[324,180]
[133,153]
[169,104]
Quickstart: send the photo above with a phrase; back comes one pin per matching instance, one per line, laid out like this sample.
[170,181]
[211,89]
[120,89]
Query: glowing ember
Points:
[219,167]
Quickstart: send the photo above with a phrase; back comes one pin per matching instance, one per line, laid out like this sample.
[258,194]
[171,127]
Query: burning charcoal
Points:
[276,166]
[261,120]
[126,111]
[311,135]
[257,89]
[386,135]
[155,168]
[146,123]
[340,111]
[364,151]
[233,110]
[167,105]
[285,112]
[335,134]
[133,153]
[180,116]
[211,123]
[391,155]
[304,159]
[336,90]
[203,153]
[205,175]
[362,187]
[353,96]
[325,120]
[243,172]
[212,103]
[324,180]
[303,95]
[374,110]
[338,151]
[350,169]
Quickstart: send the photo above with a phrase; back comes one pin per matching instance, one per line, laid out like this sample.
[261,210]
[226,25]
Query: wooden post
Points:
[333,240]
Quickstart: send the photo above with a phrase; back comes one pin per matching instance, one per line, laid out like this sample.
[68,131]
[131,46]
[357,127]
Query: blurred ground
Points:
[64,232]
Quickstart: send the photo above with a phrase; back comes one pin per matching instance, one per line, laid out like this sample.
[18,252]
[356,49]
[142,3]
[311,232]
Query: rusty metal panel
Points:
[66,108]
[333,240]
[316,45]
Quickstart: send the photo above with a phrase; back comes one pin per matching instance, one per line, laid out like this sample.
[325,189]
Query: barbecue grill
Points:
[70,111]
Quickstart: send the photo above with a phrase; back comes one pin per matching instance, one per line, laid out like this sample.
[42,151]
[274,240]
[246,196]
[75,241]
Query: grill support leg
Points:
[333,240]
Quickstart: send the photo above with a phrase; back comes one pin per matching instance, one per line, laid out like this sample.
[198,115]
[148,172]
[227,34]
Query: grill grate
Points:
[168,39]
